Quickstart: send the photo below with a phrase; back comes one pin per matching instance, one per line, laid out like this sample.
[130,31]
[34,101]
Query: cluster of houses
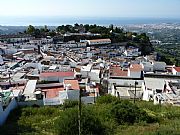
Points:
[39,72]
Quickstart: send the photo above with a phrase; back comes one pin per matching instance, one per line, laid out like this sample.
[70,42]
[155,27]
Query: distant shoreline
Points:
[56,21]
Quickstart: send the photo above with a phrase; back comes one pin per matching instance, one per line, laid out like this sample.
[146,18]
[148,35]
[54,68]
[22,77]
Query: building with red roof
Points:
[72,84]
[56,76]
[176,71]
[135,71]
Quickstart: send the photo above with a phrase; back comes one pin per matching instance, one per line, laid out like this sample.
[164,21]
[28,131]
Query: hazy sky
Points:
[91,8]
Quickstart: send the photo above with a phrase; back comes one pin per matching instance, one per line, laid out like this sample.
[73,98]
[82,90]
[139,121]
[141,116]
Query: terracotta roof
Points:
[57,74]
[135,67]
[177,69]
[117,71]
[52,93]
[74,84]
[100,40]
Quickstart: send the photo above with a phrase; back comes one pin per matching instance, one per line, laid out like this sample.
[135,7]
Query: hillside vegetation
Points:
[109,116]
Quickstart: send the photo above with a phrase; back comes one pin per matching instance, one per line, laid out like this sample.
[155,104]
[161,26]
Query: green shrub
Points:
[70,104]
[127,112]
[107,99]
[67,124]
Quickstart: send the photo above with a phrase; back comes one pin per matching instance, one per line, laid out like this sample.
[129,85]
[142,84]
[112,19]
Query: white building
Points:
[176,71]
[30,89]
[159,66]
[147,66]
[132,52]
[94,75]
[85,70]
[99,41]
[135,71]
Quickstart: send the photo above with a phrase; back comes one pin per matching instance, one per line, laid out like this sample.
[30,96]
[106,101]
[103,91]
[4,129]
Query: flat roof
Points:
[86,68]
[30,87]
[52,67]
[18,75]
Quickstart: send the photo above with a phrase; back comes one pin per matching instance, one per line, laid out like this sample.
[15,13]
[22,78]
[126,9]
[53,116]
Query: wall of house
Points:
[31,103]
[84,74]
[147,68]
[4,114]
[94,76]
[55,78]
[175,72]
[53,101]
[125,82]
[88,99]
[134,74]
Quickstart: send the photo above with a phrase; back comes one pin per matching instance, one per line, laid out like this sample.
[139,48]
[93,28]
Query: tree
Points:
[31,29]
[67,124]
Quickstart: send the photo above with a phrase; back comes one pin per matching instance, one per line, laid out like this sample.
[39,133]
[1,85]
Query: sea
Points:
[105,21]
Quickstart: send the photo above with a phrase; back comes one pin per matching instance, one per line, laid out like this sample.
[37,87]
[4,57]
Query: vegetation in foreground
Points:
[109,116]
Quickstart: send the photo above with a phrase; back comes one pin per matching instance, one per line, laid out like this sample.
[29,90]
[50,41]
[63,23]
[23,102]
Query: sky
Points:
[90,8]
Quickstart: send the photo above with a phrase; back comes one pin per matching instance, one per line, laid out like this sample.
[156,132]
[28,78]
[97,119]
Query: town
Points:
[46,71]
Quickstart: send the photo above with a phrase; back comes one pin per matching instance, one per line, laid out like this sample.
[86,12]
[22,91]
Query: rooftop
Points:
[177,69]
[74,84]
[118,71]
[100,40]
[135,67]
[57,74]
[54,92]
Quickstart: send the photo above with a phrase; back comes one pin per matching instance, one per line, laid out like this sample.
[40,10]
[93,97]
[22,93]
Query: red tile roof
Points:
[177,69]
[52,93]
[135,67]
[57,74]
[74,84]
[117,71]
[100,40]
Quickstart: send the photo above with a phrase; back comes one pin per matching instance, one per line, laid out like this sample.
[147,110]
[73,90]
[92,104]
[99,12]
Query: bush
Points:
[107,99]
[127,112]
[70,104]
[67,124]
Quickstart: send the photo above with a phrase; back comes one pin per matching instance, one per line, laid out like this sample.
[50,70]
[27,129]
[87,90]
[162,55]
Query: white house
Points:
[30,89]
[147,66]
[159,66]
[135,71]
[94,75]
[85,70]
[132,52]
[99,41]
[176,71]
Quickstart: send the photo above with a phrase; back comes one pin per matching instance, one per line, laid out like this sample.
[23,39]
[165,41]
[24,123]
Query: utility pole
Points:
[79,113]
[136,83]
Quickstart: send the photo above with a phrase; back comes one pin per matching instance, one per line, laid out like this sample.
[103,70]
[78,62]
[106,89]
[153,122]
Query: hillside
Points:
[108,116]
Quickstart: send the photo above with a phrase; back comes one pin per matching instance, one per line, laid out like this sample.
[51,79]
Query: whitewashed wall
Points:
[4,114]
